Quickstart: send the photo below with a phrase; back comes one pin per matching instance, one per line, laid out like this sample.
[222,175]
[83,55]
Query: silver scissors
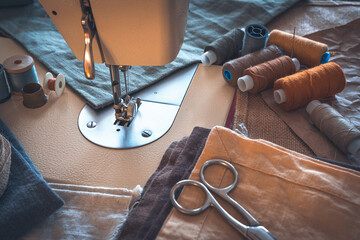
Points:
[253,231]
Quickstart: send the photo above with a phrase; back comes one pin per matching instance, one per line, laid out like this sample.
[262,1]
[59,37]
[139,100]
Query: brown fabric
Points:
[264,123]
[344,44]
[293,196]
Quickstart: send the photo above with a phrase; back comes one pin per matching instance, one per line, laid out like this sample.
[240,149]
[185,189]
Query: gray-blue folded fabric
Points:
[27,200]
[207,21]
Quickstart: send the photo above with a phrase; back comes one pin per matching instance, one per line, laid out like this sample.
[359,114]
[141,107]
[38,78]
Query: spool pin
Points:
[246,82]
[54,84]
[352,143]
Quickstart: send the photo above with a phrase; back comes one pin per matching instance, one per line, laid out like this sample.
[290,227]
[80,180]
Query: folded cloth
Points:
[207,21]
[292,195]
[5,162]
[28,199]
[146,219]
[88,213]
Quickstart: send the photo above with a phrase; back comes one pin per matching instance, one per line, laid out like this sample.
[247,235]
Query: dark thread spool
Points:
[5,93]
[262,76]
[320,82]
[254,39]
[225,48]
[235,68]
[336,127]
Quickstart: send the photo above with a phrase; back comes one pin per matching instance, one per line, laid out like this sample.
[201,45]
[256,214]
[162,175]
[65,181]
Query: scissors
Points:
[253,231]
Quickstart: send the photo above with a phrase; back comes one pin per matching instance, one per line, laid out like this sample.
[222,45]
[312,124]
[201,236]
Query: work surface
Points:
[51,137]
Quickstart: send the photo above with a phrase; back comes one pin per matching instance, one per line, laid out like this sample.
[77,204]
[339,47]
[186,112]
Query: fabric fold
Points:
[147,217]
[292,195]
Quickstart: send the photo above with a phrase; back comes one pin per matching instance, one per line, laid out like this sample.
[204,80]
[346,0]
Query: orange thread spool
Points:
[317,83]
[307,51]
[266,73]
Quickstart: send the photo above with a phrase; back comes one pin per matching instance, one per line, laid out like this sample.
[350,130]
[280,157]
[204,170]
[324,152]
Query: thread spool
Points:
[20,70]
[337,128]
[54,84]
[299,89]
[224,48]
[234,69]
[254,39]
[307,51]
[262,76]
[5,93]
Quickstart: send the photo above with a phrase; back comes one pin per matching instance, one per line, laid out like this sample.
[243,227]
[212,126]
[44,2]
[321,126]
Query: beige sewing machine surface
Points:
[51,137]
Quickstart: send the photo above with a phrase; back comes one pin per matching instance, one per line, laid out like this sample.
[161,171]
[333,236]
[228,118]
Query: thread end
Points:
[245,83]
[280,96]
[312,105]
[208,58]
[325,58]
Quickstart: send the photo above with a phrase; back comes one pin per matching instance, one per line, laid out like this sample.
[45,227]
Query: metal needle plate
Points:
[153,119]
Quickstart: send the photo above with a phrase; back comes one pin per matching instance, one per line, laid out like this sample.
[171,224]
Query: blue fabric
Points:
[27,200]
[207,21]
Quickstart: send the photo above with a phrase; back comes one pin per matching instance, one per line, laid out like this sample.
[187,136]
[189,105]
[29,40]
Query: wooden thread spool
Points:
[307,51]
[54,84]
[234,69]
[299,89]
[20,71]
[337,128]
[262,76]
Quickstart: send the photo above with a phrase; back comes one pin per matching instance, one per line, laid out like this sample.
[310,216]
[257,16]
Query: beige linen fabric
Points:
[292,195]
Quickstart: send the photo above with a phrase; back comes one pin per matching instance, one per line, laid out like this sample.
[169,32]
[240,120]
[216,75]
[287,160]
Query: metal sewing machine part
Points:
[246,82]
[118,33]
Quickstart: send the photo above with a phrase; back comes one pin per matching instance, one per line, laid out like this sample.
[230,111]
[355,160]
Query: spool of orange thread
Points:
[54,84]
[234,69]
[263,76]
[307,51]
[299,89]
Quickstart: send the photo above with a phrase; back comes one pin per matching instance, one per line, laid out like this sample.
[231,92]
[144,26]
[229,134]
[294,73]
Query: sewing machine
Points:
[122,34]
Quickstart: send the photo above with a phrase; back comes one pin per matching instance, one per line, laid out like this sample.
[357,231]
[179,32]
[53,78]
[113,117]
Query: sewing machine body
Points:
[121,34]
[136,32]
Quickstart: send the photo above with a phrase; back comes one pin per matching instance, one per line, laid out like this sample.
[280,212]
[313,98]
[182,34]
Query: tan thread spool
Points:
[299,89]
[234,69]
[337,128]
[307,51]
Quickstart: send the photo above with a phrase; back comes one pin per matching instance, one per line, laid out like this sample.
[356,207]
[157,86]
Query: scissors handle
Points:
[252,232]
[224,192]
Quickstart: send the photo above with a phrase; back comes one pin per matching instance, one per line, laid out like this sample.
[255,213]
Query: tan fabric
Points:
[293,196]
[262,122]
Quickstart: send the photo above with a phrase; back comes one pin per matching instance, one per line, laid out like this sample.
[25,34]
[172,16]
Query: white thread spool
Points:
[208,58]
[246,82]
[54,84]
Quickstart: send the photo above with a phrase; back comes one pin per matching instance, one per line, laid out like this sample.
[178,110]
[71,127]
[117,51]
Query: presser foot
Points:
[126,110]
[152,121]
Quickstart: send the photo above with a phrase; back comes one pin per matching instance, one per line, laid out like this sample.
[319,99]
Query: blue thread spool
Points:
[4,87]
[20,70]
